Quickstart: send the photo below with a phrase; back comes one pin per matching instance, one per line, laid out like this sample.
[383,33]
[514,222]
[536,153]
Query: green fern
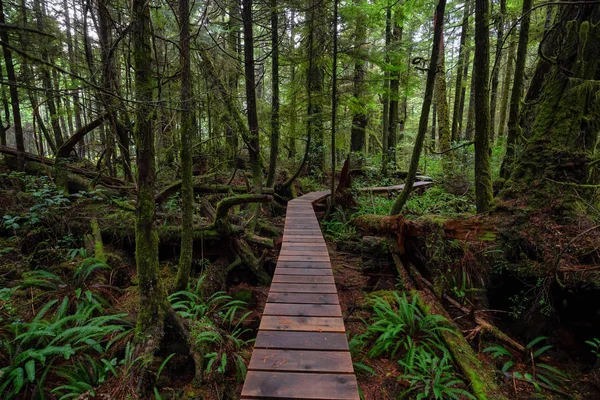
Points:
[431,377]
[34,348]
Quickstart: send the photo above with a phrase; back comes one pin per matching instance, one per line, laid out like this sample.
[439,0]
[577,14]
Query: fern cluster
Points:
[216,328]
[35,348]
[401,331]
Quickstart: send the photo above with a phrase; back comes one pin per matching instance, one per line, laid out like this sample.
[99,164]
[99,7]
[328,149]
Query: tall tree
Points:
[359,114]
[187,133]
[14,92]
[500,20]
[51,103]
[517,88]
[274,95]
[334,98]
[463,64]
[481,67]
[441,98]
[252,112]
[386,92]
[427,99]
[394,96]
[558,168]
[152,295]
[508,73]
[316,34]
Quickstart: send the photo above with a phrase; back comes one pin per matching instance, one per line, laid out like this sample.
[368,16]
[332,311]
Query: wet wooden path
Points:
[301,351]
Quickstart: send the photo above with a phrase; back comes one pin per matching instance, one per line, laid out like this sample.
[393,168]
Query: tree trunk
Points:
[252,142]
[14,92]
[386,93]
[470,129]
[481,70]
[359,114]
[50,102]
[441,99]
[558,167]
[315,83]
[152,296]
[508,73]
[334,100]
[420,139]
[496,70]
[396,39]
[463,64]
[274,96]
[187,133]
[515,97]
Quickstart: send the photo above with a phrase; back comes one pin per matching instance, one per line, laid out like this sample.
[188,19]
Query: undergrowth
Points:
[401,331]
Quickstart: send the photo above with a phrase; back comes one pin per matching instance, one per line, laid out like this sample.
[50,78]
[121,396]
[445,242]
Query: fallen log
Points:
[109,182]
[479,375]
[469,229]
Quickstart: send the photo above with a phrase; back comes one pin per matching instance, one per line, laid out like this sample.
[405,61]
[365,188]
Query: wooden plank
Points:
[302,279]
[304,264]
[301,246]
[303,271]
[294,385]
[316,252]
[303,298]
[304,232]
[301,361]
[304,258]
[302,288]
[303,310]
[301,340]
[302,324]
[302,239]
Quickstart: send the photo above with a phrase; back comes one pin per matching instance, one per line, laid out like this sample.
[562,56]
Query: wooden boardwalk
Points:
[301,351]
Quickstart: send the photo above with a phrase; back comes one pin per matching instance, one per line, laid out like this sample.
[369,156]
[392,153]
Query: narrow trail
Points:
[301,351]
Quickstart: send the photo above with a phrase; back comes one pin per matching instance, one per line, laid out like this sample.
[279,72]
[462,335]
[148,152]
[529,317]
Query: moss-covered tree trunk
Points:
[508,72]
[187,132]
[386,93]
[463,61]
[252,112]
[481,67]
[274,95]
[515,96]
[441,99]
[559,165]
[152,296]
[359,113]
[395,59]
[316,39]
[14,91]
[500,18]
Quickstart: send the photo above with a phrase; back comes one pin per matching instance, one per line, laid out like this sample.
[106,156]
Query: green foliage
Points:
[48,198]
[34,348]
[215,328]
[51,284]
[432,377]
[537,372]
[400,330]
[595,344]
[436,200]
[394,326]
[339,226]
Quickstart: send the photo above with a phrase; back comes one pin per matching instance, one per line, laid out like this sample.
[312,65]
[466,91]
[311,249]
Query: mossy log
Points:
[469,229]
[479,375]
[109,182]
[247,256]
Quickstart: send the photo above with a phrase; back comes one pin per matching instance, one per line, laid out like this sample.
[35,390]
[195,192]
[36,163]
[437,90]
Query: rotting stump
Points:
[301,351]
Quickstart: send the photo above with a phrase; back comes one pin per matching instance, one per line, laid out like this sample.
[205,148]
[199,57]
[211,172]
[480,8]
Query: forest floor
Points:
[49,277]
